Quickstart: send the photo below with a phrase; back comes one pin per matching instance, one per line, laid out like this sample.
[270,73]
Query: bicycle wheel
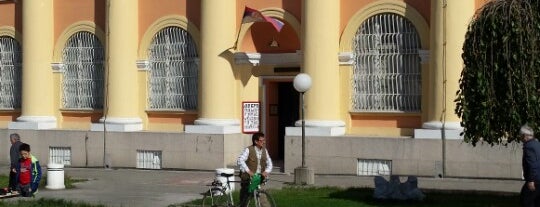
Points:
[261,199]
[216,197]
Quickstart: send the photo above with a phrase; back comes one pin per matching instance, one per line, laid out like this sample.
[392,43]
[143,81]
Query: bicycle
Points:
[219,195]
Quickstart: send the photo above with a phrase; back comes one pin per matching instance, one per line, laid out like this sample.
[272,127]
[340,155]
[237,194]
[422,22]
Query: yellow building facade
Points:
[323,48]
[379,68]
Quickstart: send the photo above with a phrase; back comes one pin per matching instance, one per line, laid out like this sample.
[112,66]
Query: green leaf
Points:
[500,82]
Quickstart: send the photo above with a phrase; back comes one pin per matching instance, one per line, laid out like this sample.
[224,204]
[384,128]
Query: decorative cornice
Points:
[278,59]
[57,67]
[142,64]
[346,58]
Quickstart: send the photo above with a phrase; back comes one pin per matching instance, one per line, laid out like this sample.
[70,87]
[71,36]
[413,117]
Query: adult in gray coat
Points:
[530,192]
[14,156]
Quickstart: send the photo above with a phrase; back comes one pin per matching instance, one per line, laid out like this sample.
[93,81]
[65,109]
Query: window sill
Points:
[384,113]
[10,110]
[81,111]
[170,111]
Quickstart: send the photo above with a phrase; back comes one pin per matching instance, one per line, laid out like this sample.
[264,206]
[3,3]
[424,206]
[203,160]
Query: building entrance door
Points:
[289,103]
[282,110]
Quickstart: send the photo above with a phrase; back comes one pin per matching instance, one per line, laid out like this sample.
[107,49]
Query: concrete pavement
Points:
[134,187]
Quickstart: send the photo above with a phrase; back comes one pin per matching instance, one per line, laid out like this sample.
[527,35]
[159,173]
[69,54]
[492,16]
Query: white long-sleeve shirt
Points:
[244,156]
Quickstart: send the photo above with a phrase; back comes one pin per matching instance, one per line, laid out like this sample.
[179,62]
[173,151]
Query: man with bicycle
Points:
[253,159]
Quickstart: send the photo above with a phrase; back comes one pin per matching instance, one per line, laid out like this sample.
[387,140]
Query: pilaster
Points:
[320,42]
[449,22]
[121,106]
[37,107]
[217,112]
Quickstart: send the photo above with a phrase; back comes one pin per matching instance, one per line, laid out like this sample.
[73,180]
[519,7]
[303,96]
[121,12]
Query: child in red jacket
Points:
[28,172]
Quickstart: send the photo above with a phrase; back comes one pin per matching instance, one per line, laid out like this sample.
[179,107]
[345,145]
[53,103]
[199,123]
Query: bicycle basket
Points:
[255,182]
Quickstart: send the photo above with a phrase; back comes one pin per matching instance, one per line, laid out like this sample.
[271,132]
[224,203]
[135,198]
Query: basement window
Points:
[148,159]
[373,167]
[60,155]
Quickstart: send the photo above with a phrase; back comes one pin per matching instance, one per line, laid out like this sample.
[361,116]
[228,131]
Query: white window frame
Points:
[387,68]
[83,72]
[10,73]
[173,71]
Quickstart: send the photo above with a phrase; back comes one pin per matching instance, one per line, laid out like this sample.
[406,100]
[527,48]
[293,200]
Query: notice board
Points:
[251,111]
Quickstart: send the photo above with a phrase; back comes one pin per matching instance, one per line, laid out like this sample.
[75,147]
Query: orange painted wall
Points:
[271,121]
[260,34]
[11,15]
[480,3]
[170,122]
[293,7]
[350,7]
[394,121]
[8,116]
[152,10]
[79,120]
[67,12]
[422,6]
[288,39]
[162,118]
[81,117]
[7,14]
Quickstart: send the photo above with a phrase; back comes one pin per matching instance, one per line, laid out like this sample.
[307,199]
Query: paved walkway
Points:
[133,187]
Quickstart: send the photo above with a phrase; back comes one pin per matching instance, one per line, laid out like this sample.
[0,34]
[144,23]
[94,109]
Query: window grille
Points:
[174,66]
[10,73]
[387,75]
[148,159]
[83,72]
[368,167]
[60,155]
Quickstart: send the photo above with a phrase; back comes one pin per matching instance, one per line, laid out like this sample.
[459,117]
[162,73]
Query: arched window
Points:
[386,75]
[10,73]
[83,58]
[174,66]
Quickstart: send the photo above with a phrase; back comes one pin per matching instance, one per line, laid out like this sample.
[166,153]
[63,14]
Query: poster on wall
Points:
[250,117]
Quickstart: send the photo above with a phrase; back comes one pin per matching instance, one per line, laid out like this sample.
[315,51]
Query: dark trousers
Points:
[530,198]
[25,190]
[12,180]
[244,194]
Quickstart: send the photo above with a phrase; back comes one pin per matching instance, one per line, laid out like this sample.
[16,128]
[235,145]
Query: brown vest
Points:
[251,161]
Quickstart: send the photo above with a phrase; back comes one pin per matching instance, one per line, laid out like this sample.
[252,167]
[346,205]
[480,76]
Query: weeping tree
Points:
[500,82]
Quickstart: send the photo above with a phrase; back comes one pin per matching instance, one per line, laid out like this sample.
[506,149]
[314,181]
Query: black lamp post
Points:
[302,83]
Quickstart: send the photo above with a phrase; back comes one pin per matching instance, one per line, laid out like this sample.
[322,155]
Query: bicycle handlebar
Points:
[227,175]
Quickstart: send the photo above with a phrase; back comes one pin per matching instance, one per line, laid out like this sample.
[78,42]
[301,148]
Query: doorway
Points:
[282,110]
[289,102]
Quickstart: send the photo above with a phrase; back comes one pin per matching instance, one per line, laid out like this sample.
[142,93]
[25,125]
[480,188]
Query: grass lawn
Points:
[362,197]
[316,197]
[68,182]
[42,202]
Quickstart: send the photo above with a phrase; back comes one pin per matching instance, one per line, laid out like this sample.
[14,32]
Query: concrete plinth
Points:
[304,176]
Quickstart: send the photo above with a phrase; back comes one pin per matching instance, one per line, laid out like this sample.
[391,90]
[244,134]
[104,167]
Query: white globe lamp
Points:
[302,82]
